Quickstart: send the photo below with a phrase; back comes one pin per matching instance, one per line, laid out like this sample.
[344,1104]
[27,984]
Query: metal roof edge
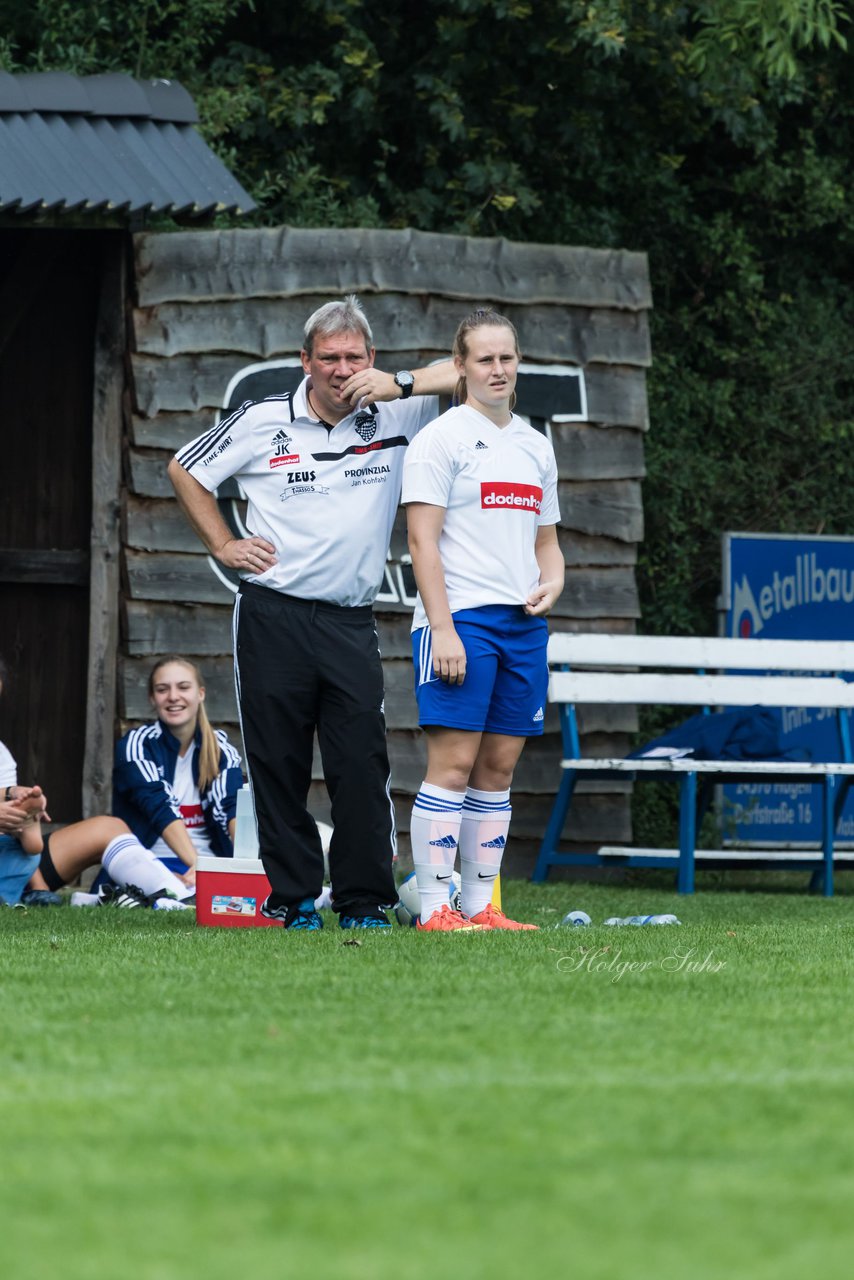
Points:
[109,93]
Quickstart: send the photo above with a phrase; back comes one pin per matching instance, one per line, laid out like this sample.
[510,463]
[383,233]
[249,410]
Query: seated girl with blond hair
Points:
[175,785]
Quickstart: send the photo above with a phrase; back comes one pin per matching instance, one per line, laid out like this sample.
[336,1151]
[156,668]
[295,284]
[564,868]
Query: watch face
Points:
[404,378]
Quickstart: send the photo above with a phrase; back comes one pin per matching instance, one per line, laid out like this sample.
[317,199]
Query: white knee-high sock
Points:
[129,862]
[483,835]
[435,833]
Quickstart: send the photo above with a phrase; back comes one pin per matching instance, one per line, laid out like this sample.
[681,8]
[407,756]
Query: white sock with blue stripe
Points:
[485,821]
[128,862]
[434,830]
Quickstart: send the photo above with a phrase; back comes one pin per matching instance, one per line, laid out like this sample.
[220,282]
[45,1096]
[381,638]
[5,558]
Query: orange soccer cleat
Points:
[445,920]
[492,918]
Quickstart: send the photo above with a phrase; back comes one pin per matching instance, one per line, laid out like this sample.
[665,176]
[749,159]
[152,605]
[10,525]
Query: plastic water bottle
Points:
[665,919]
[576,919]
[618,920]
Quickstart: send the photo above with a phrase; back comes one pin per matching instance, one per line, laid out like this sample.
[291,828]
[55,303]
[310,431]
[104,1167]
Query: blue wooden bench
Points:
[693,671]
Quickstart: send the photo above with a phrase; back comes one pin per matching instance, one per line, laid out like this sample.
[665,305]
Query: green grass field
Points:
[674,1102]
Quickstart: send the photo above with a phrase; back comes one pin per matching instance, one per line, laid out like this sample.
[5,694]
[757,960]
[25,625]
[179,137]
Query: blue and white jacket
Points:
[143,773]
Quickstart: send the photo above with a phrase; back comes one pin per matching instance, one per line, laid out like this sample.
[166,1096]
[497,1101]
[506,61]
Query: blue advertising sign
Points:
[788,587]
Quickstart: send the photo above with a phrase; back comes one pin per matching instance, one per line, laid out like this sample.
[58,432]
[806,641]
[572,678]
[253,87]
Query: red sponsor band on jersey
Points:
[286,458]
[192,816]
[499,495]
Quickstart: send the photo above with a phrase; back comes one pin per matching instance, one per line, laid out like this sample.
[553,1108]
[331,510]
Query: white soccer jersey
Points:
[8,768]
[326,499]
[498,485]
[186,793]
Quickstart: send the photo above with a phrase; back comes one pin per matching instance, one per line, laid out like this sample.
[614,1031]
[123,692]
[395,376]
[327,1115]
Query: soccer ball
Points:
[576,919]
[408,907]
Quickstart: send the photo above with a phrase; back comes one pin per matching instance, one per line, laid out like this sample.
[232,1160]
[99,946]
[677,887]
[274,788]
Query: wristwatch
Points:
[406,382]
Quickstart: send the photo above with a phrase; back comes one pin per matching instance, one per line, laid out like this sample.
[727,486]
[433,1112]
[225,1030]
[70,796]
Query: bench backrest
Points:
[802,674]
[695,653]
[700,690]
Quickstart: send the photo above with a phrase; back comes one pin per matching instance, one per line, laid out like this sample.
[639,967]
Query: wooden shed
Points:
[209,305]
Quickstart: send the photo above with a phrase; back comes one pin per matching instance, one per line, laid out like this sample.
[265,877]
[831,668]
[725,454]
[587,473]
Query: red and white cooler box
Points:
[229,892]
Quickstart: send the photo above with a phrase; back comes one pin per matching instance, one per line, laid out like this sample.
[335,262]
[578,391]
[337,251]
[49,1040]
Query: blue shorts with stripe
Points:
[507,675]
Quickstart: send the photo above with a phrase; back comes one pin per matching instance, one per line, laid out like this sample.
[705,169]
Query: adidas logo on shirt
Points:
[481,445]
[282,456]
[539,715]
[497,843]
[446,842]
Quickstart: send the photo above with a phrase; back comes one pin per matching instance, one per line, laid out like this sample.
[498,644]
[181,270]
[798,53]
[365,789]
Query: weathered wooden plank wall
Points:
[616,395]
[286,261]
[210,303]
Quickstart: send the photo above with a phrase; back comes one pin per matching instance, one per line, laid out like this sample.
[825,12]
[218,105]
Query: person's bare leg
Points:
[81,845]
[451,754]
[497,757]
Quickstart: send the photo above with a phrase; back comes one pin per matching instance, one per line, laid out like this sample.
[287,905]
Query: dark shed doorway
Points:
[49,288]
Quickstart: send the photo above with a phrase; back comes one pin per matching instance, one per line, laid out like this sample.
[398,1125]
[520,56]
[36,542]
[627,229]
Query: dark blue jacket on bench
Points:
[749,733]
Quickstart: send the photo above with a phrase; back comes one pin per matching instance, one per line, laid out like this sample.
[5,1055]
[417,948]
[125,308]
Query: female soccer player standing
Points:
[480,489]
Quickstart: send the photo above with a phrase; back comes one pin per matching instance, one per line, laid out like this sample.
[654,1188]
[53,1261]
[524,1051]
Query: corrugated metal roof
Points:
[107,143]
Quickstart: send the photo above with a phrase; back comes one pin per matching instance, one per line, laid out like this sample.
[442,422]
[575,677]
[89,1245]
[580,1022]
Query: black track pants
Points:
[301,665]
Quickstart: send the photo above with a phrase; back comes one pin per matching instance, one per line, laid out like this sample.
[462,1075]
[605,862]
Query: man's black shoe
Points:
[299,915]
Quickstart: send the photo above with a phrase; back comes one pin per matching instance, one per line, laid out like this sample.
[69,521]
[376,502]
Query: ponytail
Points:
[209,753]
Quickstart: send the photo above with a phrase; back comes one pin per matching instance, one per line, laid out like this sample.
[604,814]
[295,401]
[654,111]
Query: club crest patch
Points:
[366,426]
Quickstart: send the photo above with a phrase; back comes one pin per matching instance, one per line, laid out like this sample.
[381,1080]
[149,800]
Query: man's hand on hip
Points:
[248,555]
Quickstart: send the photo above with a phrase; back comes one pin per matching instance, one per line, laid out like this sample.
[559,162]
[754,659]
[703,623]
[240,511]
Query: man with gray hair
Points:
[321,469]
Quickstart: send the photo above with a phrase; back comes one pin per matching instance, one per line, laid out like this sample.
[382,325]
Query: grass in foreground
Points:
[667,1102]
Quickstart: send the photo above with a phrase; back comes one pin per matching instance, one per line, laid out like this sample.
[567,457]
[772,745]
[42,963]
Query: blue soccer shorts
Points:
[507,674]
[16,867]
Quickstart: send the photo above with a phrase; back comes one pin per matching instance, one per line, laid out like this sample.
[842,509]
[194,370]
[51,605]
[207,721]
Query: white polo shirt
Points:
[325,498]
[498,485]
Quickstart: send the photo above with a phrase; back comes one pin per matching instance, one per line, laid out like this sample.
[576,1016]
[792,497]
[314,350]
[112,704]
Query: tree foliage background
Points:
[715,136]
